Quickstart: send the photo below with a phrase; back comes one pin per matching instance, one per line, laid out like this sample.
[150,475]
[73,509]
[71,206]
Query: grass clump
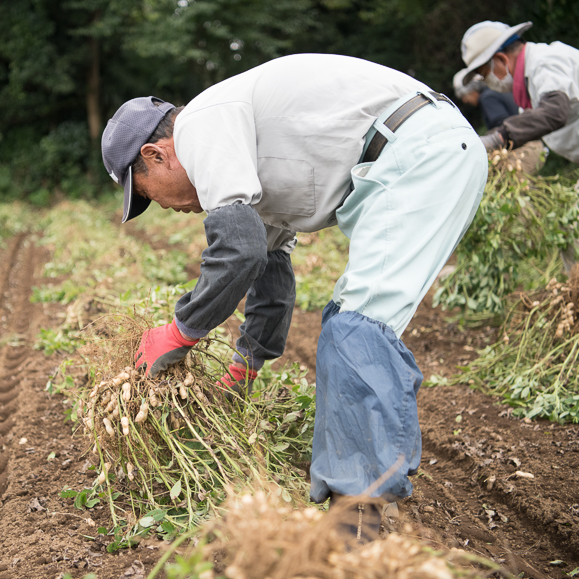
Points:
[522,225]
[15,219]
[105,269]
[533,366]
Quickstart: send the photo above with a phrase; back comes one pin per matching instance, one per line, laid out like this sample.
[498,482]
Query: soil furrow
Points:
[16,283]
[42,534]
[7,397]
[7,384]
[548,517]
[6,410]
[8,258]
[6,427]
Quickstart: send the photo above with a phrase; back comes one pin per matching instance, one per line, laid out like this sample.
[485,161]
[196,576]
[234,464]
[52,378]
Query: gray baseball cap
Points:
[129,129]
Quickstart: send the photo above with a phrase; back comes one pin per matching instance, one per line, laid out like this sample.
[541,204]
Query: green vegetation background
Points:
[67,65]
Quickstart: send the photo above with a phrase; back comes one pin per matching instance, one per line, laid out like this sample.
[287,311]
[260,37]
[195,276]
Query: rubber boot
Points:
[357,522]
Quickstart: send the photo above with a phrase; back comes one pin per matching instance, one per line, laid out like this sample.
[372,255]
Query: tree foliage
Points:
[67,65]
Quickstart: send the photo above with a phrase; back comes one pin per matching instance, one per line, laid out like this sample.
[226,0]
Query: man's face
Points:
[167,182]
[500,66]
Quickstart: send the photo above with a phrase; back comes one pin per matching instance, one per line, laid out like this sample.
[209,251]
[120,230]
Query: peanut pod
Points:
[125,425]
[108,427]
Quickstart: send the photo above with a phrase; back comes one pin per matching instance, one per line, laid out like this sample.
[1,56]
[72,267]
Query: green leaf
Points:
[176,490]
[68,494]
[280,446]
[92,502]
[81,499]
[147,522]
[157,514]
[102,531]
[291,417]
[525,392]
[168,527]
[112,547]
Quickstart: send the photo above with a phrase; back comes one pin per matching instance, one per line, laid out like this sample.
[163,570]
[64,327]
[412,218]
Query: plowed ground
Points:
[466,494]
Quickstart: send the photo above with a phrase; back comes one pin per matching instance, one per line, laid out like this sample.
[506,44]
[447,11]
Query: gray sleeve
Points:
[268,311]
[235,257]
[550,115]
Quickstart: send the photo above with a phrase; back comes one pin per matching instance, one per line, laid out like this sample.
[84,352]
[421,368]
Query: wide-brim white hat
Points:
[481,41]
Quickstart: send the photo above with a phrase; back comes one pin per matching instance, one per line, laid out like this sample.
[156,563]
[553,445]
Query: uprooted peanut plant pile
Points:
[261,537]
[522,225]
[169,446]
[533,366]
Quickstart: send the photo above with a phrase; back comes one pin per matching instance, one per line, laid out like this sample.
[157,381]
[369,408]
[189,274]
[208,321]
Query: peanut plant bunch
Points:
[173,444]
[533,366]
[514,242]
[261,537]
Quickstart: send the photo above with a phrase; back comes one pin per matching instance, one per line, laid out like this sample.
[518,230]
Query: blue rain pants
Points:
[405,215]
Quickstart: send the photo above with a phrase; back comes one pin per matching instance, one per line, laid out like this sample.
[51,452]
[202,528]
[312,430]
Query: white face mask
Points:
[499,84]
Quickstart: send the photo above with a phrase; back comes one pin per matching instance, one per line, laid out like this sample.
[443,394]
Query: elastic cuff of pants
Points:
[386,497]
[190,332]
[254,362]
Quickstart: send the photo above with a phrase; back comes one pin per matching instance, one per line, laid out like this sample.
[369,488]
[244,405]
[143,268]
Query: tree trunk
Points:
[93,93]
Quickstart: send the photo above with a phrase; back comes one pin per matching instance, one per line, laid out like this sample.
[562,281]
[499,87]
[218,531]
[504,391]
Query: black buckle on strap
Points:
[395,120]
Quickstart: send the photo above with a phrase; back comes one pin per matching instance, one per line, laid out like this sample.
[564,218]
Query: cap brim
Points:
[486,55]
[133,204]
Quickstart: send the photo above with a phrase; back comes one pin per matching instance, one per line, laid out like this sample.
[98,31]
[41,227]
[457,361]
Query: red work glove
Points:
[161,347]
[238,380]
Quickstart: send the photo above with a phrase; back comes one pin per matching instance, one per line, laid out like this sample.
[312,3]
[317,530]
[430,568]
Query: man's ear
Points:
[503,58]
[152,153]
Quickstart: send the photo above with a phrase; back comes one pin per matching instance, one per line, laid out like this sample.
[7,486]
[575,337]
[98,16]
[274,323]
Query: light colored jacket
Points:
[555,67]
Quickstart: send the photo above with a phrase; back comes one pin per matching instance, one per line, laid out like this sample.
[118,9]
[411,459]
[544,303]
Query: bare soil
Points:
[467,493]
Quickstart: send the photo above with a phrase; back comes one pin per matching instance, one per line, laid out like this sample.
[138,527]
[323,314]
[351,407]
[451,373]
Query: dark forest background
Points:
[67,65]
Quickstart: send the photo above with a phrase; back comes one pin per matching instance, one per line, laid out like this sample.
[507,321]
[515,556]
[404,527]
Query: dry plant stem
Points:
[186,467]
[216,421]
[136,461]
[109,491]
[260,537]
[196,440]
[194,432]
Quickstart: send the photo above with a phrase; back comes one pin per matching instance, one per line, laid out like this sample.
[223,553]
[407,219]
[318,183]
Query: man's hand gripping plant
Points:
[161,347]
[239,379]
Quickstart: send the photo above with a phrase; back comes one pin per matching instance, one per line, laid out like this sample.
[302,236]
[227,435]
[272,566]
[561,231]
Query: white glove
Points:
[492,141]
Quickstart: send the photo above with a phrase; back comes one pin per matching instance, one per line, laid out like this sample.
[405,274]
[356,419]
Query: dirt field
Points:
[467,493]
